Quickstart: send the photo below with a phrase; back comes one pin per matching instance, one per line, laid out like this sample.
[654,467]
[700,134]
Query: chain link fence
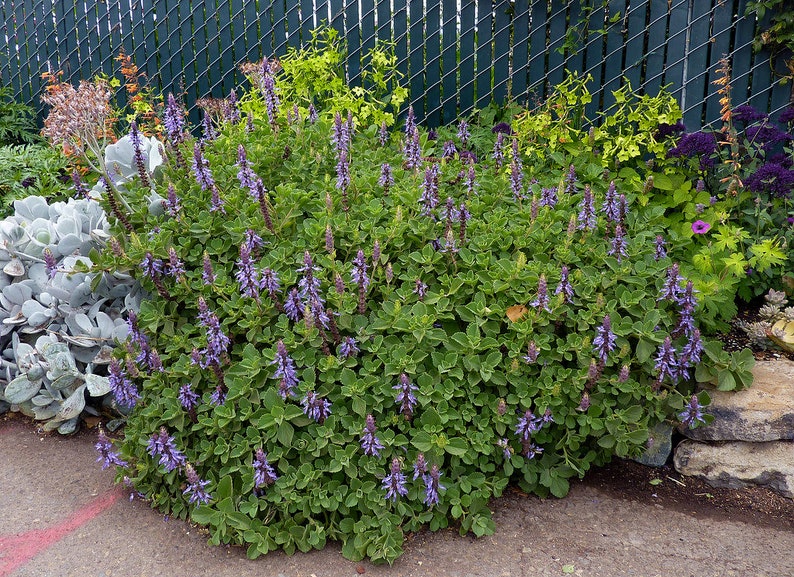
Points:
[456,55]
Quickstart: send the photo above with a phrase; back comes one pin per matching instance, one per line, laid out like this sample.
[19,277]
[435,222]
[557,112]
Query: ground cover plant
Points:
[357,330]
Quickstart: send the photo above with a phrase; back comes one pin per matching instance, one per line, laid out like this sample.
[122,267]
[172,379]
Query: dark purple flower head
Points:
[767,136]
[702,144]
[124,391]
[162,445]
[218,396]
[312,113]
[747,115]
[664,130]
[107,456]
[604,341]
[502,128]
[369,442]
[787,116]
[187,398]
[700,227]
[195,490]
[405,397]
[383,134]
[449,150]
[570,180]
[264,474]
[348,348]
[773,179]
[394,482]
[432,486]
[316,407]
[692,415]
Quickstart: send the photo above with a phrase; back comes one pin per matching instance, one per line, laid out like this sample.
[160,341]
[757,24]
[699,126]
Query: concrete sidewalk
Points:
[60,515]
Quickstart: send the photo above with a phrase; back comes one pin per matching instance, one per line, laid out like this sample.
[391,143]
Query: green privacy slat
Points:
[416,57]
[433,64]
[168,28]
[5,53]
[613,62]
[400,38]
[676,46]
[253,50]
[279,27]
[723,18]
[635,40]
[187,42]
[537,49]
[467,19]
[697,62]
[307,20]
[555,68]
[449,61]
[762,73]
[226,45]
[353,37]
[501,49]
[656,47]
[203,39]
[742,57]
[266,28]
[293,24]
[574,57]
[594,54]
[40,64]
[338,16]
[483,68]
[384,15]
[367,26]
[520,49]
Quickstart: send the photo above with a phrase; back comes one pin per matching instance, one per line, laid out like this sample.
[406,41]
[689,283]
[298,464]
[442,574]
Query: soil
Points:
[691,495]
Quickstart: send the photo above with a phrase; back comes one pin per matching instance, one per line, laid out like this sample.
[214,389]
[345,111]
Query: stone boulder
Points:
[764,412]
[736,464]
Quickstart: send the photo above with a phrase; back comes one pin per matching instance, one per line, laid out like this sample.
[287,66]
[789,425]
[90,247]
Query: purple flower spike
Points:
[369,442]
[50,263]
[218,396]
[532,353]
[420,466]
[162,445]
[176,268]
[412,150]
[527,426]
[619,245]
[507,450]
[693,349]
[611,206]
[564,287]
[217,341]
[666,363]
[152,267]
[420,289]
[570,180]
[195,490]
[124,391]
[463,133]
[542,300]
[692,415]
[516,178]
[359,273]
[348,348]
[293,306]
[207,274]
[429,197]
[201,169]
[672,284]
[386,179]
[449,150]
[498,154]
[548,197]
[405,397]
[432,486]
[383,134]
[174,120]
[172,202]
[107,456]
[187,398]
[587,215]
[604,342]
[394,482]
[245,175]
[285,370]
[660,251]
[264,474]
[247,275]
[316,407]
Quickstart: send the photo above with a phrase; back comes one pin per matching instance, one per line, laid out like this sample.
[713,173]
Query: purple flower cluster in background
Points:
[696,144]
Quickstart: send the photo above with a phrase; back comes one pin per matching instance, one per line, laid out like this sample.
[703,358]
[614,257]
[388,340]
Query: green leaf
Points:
[224,490]
[456,446]
[285,433]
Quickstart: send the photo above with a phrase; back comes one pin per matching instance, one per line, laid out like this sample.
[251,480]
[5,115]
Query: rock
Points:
[764,412]
[736,464]
[660,445]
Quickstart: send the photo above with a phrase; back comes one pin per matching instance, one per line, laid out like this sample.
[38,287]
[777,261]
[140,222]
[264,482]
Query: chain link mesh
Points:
[455,54]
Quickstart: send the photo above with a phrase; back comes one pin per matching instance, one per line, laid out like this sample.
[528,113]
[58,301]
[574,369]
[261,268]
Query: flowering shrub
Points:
[357,332]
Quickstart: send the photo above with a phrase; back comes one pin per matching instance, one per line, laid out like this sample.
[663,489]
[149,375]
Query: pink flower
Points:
[700,227]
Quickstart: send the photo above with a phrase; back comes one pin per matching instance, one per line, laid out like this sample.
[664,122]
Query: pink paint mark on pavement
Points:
[16,550]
